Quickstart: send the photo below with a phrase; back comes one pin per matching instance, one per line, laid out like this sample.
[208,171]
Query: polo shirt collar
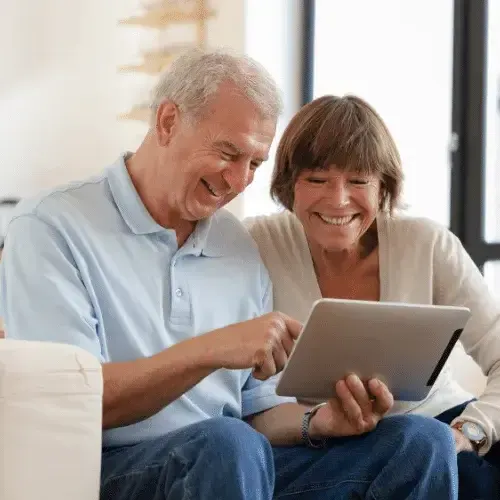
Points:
[204,240]
[128,201]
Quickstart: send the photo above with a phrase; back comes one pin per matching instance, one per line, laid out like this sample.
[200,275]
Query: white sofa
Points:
[50,422]
[51,416]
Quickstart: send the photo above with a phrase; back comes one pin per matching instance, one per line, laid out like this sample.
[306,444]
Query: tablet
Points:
[404,345]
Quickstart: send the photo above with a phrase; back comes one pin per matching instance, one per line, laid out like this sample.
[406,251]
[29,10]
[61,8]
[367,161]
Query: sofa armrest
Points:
[50,422]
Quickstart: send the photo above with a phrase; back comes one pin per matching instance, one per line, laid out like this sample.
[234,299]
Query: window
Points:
[398,56]
[273,37]
[432,70]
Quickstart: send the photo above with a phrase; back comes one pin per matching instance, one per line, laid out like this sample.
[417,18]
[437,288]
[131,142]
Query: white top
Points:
[421,262]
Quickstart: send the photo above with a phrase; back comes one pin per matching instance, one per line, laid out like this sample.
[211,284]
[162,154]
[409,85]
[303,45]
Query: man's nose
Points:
[238,176]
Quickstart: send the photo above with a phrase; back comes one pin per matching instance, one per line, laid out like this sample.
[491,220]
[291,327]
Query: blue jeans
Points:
[478,477]
[405,457]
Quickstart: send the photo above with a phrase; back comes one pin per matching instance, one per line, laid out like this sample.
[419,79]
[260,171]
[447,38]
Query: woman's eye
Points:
[359,181]
[315,180]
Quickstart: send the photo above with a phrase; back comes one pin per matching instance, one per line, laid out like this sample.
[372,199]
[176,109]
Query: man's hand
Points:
[354,411]
[264,344]
[462,443]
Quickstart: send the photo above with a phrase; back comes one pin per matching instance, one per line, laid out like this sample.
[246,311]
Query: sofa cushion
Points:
[50,421]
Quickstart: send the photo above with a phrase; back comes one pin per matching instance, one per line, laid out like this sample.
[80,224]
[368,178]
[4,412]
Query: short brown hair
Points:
[342,131]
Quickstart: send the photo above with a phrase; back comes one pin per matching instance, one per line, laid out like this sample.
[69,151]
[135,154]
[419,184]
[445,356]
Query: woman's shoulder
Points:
[409,237]
[412,228]
[281,240]
[278,220]
[276,230]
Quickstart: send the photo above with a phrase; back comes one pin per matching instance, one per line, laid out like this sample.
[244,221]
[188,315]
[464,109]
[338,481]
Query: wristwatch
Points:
[473,432]
[306,420]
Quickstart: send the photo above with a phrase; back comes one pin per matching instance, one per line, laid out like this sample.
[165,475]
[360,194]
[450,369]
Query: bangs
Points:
[341,132]
[345,138]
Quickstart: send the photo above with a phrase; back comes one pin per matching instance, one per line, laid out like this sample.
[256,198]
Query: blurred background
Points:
[76,74]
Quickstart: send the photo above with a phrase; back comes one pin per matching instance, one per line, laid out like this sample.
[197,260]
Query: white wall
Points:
[274,38]
[60,92]
[57,92]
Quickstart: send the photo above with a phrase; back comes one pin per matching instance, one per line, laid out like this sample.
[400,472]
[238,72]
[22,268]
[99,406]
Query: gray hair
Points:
[195,76]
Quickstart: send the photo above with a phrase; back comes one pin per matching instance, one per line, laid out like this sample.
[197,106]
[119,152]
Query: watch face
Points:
[473,431]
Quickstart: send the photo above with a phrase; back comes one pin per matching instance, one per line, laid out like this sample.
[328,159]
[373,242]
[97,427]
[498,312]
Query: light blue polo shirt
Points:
[87,265]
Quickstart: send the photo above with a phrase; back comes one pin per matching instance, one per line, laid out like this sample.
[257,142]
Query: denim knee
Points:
[235,441]
[221,458]
[423,434]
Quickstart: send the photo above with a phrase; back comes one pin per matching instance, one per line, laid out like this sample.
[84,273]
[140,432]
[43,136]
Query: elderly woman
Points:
[338,174]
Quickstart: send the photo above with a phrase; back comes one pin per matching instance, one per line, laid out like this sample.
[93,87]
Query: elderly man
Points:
[141,267]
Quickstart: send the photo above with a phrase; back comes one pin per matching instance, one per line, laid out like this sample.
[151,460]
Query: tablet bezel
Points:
[300,375]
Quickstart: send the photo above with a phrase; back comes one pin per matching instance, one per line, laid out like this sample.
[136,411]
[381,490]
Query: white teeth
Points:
[337,221]
[210,188]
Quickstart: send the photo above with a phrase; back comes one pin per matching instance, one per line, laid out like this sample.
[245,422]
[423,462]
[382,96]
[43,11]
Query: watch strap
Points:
[306,421]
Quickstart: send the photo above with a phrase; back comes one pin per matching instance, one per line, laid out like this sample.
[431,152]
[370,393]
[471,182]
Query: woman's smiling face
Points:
[336,206]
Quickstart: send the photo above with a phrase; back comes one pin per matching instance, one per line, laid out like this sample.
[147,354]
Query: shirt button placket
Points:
[180,304]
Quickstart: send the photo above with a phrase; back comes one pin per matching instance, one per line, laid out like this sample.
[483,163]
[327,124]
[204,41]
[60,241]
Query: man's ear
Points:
[167,118]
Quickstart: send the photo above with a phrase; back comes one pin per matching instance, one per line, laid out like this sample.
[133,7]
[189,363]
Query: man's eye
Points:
[359,181]
[315,180]
[227,156]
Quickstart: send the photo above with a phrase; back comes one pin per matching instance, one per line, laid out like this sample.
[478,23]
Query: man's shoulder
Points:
[64,200]
[229,238]
[226,220]
[230,235]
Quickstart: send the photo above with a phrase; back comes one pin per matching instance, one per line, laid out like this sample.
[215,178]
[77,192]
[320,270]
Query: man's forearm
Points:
[282,424]
[135,390]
